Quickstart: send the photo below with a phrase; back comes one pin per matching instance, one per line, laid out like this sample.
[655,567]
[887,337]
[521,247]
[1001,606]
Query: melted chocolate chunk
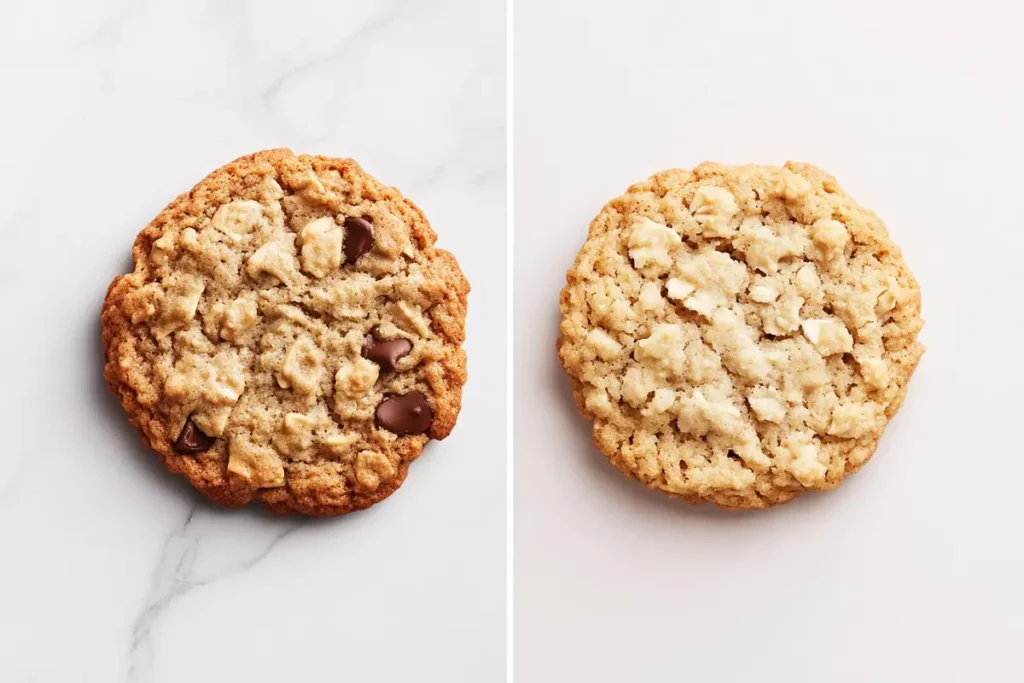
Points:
[358,238]
[405,413]
[192,440]
[386,352]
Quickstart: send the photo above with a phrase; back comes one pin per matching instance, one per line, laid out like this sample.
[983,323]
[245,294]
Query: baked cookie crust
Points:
[739,334]
[289,335]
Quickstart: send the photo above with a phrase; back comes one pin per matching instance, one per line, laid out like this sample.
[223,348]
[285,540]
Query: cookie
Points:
[289,335]
[739,334]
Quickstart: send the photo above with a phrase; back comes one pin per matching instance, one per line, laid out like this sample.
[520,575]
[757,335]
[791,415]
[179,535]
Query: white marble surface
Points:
[112,570]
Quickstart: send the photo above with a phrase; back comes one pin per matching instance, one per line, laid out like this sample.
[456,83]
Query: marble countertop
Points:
[113,570]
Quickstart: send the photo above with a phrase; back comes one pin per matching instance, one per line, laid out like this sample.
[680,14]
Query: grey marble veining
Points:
[111,569]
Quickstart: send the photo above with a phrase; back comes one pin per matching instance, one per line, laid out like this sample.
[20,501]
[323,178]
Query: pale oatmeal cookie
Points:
[739,334]
[289,335]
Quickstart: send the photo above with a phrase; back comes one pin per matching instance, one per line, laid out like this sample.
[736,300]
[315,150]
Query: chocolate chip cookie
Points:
[739,334]
[289,334]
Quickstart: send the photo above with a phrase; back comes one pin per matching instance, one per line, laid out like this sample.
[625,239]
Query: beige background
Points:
[911,570]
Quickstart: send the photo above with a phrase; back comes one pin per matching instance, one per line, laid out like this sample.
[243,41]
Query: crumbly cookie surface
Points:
[289,334]
[739,334]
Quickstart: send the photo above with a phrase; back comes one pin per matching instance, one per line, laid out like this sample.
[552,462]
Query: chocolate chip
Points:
[358,238]
[386,352]
[405,413]
[192,440]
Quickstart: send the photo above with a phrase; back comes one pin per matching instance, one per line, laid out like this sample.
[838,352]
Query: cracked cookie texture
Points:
[739,334]
[289,334]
